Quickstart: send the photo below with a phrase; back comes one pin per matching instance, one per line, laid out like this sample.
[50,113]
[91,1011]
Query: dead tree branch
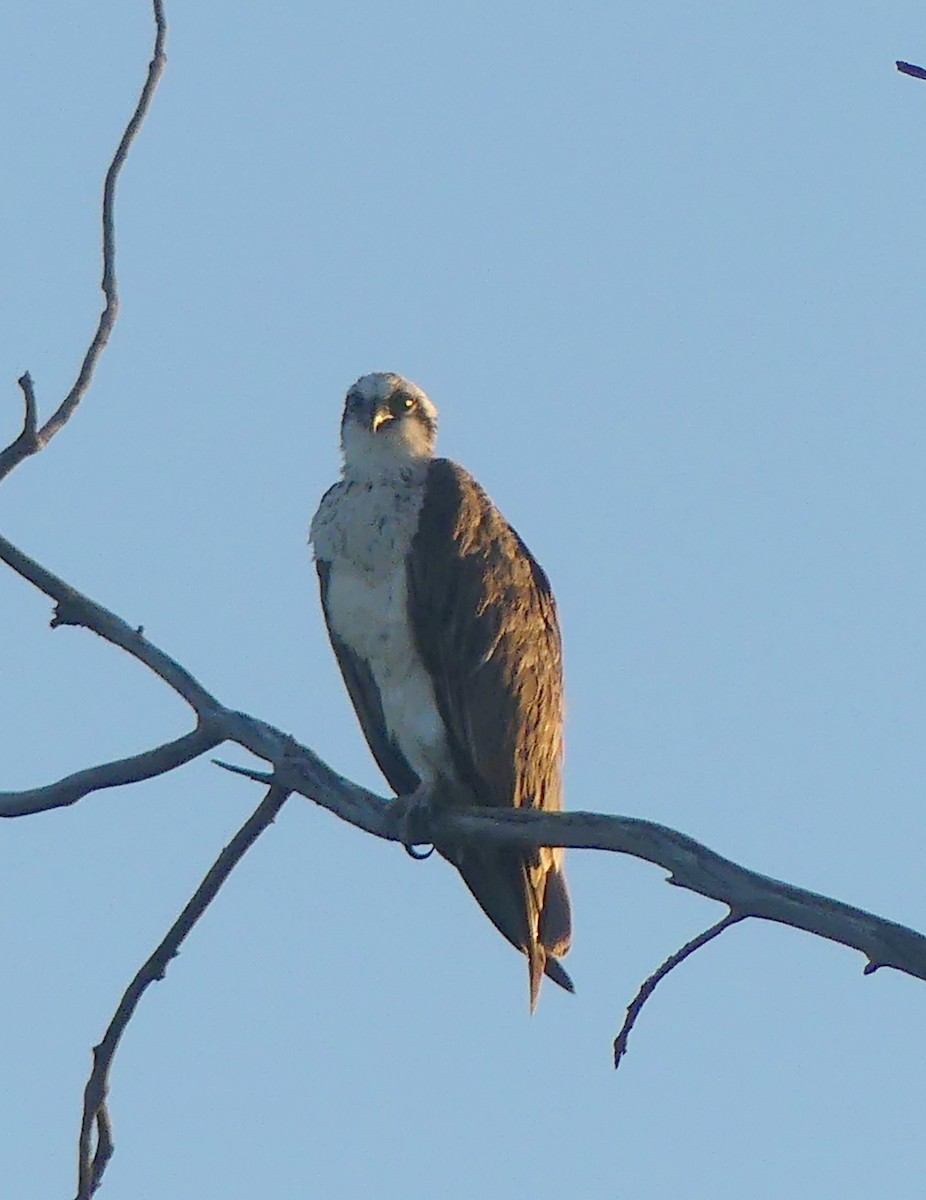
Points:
[911,69]
[648,987]
[112,774]
[92,1160]
[72,608]
[33,439]
[27,443]
[696,868]
[297,768]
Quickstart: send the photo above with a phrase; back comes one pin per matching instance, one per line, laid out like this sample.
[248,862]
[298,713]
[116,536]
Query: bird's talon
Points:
[412,815]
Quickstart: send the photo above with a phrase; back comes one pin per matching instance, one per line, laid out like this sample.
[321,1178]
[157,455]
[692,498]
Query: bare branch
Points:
[297,769]
[691,865]
[92,1161]
[698,869]
[27,443]
[73,608]
[911,69]
[649,986]
[31,441]
[257,776]
[74,787]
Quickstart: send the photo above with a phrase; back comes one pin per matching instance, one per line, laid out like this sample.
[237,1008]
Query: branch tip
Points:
[264,777]
[27,441]
[649,986]
[911,69]
[30,421]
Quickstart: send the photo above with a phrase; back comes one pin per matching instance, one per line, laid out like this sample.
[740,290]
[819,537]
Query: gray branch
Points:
[112,774]
[32,439]
[298,769]
[92,1162]
[635,1007]
[73,608]
[911,69]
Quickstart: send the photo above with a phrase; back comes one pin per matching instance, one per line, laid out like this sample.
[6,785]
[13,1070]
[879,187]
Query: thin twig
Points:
[31,442]
[636,1005]
[92,1161]
[27,443]
[256,776]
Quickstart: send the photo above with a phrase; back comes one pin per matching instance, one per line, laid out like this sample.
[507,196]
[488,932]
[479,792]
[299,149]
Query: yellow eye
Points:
[408,402]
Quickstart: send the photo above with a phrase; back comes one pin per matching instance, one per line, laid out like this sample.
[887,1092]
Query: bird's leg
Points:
[412,816]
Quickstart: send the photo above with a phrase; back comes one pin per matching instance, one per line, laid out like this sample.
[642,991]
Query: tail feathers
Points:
[554,931]
[539,963]
[536,965]
[554,970]
[555,926]
[499,881]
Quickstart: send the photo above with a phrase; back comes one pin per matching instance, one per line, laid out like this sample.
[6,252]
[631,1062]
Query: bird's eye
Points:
[405,403]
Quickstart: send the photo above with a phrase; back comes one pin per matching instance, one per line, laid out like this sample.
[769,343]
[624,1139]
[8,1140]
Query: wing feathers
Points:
[487,633]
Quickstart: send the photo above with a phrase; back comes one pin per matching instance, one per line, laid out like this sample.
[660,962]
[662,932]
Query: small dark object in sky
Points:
[910,69]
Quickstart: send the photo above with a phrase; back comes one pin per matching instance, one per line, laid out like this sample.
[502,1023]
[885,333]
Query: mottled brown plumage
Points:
[486,628]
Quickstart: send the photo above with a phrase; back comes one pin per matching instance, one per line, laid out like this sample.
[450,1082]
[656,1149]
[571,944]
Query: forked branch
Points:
[32,439]
[690,864]
[296,768]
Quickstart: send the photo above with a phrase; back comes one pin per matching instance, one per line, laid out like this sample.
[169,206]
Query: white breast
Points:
[365,534]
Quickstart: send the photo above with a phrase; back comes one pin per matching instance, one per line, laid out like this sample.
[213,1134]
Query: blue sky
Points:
[661,268]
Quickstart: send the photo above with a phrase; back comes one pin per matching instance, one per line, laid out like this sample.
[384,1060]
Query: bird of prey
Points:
[445,630]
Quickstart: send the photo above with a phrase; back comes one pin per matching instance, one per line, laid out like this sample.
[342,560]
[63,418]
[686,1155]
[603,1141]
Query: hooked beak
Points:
[381,417]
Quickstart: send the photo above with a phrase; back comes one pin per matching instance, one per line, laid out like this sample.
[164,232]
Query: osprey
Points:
[445,630]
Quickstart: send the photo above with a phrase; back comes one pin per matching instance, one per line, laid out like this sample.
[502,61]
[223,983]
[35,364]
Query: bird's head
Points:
[388,424]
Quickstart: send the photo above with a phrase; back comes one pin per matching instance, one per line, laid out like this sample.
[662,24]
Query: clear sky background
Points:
[662,269]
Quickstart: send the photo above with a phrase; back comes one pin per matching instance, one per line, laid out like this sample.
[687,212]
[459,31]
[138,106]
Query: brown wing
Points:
[364,694]
[486,629]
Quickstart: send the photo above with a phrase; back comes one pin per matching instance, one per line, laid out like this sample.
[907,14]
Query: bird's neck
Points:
[373,466]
